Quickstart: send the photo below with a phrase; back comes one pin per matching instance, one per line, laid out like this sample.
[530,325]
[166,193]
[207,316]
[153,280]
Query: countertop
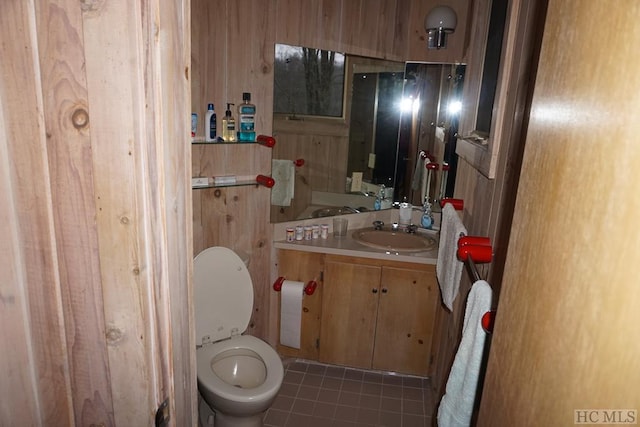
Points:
[350,247]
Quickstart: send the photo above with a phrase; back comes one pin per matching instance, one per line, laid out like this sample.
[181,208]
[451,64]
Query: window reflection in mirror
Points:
[308,81]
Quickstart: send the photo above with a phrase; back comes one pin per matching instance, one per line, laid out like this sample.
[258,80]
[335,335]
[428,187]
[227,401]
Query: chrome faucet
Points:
[377,225]
[350,209]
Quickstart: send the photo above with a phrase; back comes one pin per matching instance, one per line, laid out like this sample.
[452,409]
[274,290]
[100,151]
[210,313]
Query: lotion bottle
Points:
[210,125]
[228,125]
[246,119]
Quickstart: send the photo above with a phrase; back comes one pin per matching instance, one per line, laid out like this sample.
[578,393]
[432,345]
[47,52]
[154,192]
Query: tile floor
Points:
[317,395]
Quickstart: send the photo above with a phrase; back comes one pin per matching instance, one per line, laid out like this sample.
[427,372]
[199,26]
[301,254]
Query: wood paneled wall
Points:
[95,273]
[233,51]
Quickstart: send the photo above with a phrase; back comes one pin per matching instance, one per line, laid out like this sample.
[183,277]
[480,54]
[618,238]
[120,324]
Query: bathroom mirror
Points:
[352,157]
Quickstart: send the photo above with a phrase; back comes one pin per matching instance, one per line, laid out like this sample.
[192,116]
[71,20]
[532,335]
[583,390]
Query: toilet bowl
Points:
[239,376]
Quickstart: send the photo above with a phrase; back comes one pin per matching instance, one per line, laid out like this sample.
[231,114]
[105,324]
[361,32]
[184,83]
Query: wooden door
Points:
[568,325]
[406,312]
[349,305]
[95,253]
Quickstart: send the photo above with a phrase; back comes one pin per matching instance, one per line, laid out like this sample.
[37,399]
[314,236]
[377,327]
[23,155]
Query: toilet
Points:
[239,375]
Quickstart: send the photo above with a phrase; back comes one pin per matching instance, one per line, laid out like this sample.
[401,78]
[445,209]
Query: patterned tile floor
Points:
[318,395]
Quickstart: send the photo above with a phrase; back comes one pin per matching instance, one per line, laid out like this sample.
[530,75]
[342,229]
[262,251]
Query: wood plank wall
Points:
[233,50]
[95,201]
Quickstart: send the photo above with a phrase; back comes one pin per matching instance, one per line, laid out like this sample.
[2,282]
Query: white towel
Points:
[456,406]
[284,174]
[449,267]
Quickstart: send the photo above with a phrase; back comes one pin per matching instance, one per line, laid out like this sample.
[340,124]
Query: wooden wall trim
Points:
[67,124]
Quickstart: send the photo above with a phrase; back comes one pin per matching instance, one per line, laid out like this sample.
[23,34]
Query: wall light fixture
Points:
[440,21]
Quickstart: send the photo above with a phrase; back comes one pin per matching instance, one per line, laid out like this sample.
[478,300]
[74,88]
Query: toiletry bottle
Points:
[210,125]
[405,213]
[427,217]
[228,125]
[246,119]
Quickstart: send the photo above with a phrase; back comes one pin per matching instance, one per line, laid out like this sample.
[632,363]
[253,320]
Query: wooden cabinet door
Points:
[303,267]
[406,312]
[350,300]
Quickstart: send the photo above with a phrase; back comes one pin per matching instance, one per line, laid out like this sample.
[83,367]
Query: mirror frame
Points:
[482,153]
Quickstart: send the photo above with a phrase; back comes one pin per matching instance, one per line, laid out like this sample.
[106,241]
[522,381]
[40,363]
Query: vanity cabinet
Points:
[378,314]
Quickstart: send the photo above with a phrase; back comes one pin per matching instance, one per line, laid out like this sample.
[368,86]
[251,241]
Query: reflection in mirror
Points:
[308,81]
[350,160]
[429,123]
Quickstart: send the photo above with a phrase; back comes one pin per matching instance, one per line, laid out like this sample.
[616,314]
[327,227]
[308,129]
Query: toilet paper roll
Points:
[291,313]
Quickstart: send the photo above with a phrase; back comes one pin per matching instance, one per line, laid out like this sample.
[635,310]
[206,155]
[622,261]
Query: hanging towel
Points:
[449,267]
[284,174]
[456,405]
[416,179]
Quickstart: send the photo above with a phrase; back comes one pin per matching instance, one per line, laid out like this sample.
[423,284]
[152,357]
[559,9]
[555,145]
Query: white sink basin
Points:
[396,241]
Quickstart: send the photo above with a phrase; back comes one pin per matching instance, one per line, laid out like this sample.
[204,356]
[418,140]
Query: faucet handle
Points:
[411,228]
[377,225]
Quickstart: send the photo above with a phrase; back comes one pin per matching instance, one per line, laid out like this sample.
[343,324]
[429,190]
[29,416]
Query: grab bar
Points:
[472,249]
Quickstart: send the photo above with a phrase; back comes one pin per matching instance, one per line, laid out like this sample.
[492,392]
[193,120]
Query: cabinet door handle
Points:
[384,290]
[374,290]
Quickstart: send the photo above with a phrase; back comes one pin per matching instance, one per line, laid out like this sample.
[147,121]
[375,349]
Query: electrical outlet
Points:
[356,181]
[372,161]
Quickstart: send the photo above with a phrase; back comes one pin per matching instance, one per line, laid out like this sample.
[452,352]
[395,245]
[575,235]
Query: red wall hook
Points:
[267,181]
[267,141]
[487,321]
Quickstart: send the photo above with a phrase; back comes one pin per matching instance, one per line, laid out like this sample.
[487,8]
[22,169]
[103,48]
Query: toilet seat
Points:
[273,366]
[223,295]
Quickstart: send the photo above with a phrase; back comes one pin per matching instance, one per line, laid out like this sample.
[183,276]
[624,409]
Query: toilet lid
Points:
[223,294]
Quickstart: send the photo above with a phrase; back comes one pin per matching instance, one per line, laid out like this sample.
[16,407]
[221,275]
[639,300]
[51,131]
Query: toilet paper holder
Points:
[309,288]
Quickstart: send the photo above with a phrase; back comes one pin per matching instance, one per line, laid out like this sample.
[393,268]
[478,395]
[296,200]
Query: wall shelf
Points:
[236,184]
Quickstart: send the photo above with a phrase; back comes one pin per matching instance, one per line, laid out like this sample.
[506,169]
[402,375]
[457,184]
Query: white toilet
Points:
[238,375]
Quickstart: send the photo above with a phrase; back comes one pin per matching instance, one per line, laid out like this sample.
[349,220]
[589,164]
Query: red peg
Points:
[458,204]
[267,141]
[479,254]
[267,181]
[446,167]
[277,285]
[487,321]
[473,240]
[311,287]
[299,162]
[432,166]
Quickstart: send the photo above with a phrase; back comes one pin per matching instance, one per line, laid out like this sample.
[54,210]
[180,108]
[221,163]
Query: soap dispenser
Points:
[228,125]
[427,216]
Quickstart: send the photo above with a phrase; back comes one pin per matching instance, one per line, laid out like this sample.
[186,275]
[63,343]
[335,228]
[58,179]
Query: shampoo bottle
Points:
[246,119]
[228,125]
[210,125]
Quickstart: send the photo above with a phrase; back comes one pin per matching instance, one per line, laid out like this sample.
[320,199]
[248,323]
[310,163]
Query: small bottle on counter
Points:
[324,231]
[291,234]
